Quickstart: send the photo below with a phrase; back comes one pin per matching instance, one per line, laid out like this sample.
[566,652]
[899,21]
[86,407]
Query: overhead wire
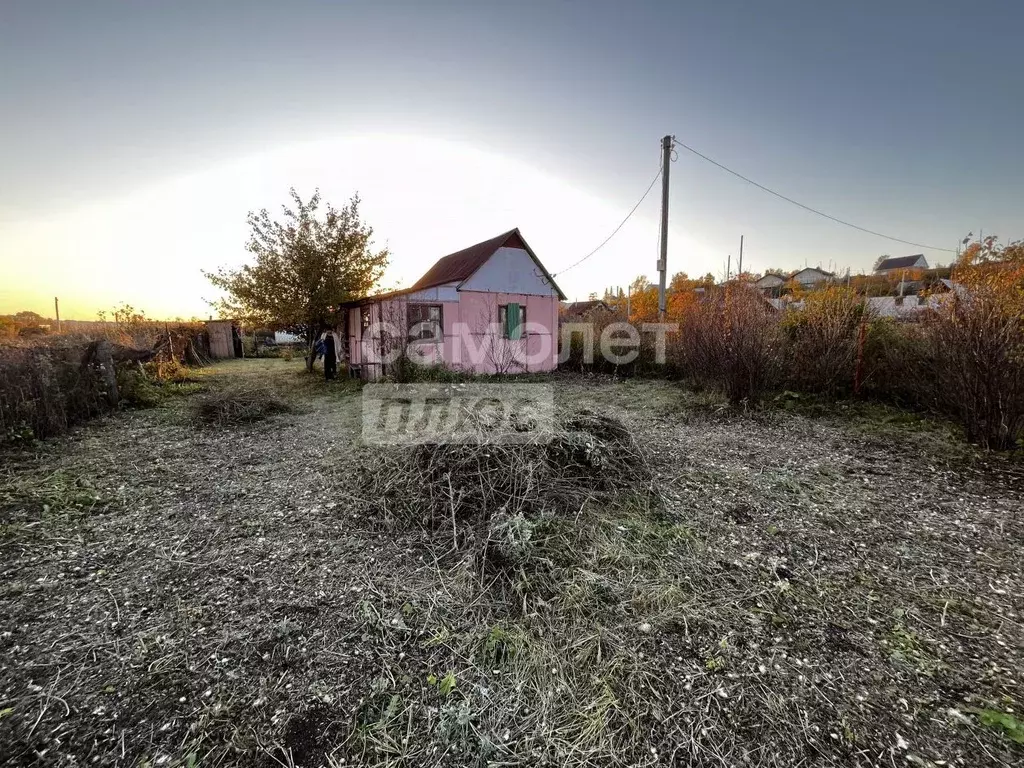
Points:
[616,230]
[779,195]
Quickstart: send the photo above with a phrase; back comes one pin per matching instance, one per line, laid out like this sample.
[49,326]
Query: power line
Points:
[616,230]
[807,207]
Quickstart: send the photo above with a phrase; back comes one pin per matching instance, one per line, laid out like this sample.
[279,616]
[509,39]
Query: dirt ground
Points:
[843,588]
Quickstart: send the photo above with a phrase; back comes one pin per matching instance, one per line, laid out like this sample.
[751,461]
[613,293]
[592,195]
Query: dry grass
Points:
[759,611]
[797,592]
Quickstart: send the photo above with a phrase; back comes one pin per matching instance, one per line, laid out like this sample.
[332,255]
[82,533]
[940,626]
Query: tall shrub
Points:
[896,364]
[822,340]
[731,340]
[976,361]
[976,344]
[630,341]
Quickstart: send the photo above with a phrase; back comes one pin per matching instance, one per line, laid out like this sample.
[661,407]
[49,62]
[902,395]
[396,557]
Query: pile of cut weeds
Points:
[547,567]
[589,457]
[237,405]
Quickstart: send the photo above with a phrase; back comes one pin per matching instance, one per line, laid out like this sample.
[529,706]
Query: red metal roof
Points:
[459,266]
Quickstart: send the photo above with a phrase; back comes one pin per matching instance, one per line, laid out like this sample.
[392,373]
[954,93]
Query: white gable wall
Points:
[771,281]
[810,276]
[510,270]
[446,292]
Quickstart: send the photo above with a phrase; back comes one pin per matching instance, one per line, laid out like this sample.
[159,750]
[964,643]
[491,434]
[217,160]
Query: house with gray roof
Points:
[893,264]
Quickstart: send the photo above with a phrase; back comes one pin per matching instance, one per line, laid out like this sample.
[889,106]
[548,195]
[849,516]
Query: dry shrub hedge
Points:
[894,366]
[731,341]
[963,358]
[973,367]
[44,390]
[822,341]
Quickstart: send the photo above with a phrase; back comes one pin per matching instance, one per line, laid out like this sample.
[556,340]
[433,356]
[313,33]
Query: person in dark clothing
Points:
[330,356]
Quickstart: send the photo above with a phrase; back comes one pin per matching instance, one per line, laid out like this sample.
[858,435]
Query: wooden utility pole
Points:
[739,271]
[56,311]
[728,267]
[666,158]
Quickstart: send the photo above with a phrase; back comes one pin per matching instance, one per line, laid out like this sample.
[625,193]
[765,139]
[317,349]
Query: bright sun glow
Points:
[424,198]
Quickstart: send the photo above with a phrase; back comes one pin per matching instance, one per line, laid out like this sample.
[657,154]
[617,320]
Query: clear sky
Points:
[136,135]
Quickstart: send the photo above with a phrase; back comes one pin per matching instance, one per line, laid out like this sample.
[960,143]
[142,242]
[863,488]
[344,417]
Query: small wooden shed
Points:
[225,339]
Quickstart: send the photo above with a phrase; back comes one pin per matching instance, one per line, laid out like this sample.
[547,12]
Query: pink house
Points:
[489,308]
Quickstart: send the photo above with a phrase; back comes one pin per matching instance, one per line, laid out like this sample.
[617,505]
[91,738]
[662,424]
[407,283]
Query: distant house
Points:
[909,287]
[946,286]
[811,276]
[901,263]
[898,307]
[771,284]
[902,307]
[581,309]
[489,308]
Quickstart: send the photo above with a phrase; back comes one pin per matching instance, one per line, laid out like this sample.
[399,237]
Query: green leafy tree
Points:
[306,264]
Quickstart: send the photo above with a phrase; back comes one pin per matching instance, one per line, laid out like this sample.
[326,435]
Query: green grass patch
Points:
[1003,722]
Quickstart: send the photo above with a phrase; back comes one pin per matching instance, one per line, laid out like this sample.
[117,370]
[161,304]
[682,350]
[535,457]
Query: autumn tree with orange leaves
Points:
[975,344]
[987,268]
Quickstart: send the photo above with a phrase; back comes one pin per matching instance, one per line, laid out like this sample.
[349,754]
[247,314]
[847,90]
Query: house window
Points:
[513,320]
[365,317]
[426,322]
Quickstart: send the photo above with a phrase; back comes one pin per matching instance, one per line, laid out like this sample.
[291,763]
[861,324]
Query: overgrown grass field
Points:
[233,579]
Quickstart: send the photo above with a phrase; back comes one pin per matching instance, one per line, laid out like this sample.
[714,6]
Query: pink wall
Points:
[481,346]
[472,337]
